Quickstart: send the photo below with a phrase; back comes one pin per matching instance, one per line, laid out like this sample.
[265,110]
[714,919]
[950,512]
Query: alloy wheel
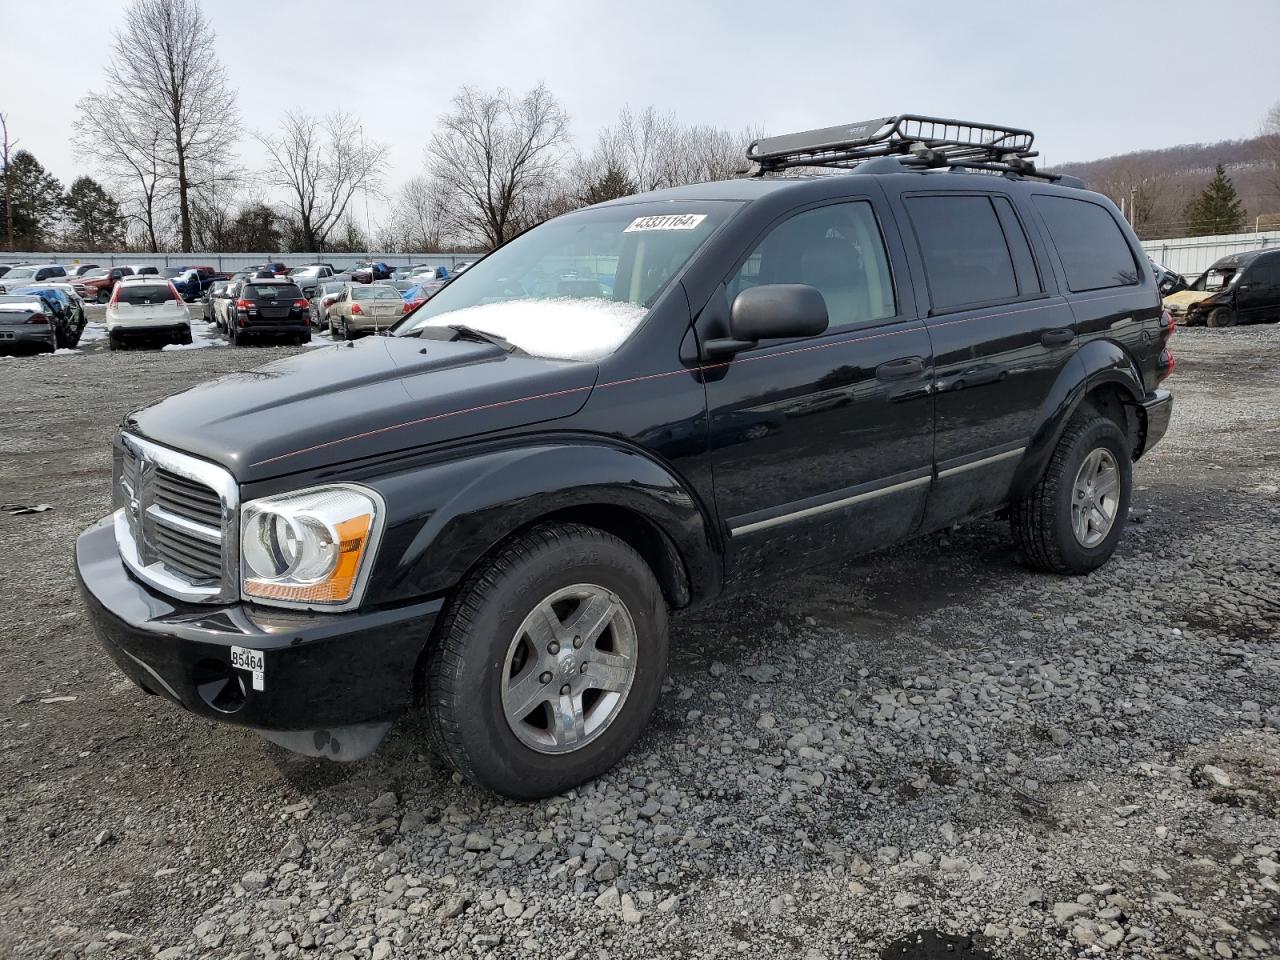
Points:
[1095,497]
[569,669]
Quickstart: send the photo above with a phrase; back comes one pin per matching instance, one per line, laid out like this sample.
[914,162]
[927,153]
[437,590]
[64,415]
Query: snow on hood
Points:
[565,328]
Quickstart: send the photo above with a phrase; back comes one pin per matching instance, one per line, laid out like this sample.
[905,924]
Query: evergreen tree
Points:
[1217,209]
[37,202]
[93,216]
[610,184]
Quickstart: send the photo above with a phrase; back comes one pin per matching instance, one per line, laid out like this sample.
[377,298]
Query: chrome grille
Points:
[176,521]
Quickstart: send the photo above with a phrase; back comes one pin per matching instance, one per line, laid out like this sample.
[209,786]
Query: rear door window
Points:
[1094,252]
[966,259]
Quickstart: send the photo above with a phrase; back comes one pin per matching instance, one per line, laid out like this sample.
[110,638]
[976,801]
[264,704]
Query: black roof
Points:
[1239,260]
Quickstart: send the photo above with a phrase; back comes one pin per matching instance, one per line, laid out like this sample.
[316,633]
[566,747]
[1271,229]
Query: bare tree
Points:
[165,77]
[498,154]
[320,164]
[5,147]
[419,220]
[129,153]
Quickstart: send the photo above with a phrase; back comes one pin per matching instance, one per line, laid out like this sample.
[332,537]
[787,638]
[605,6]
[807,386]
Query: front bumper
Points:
[331,683]
[1157,409]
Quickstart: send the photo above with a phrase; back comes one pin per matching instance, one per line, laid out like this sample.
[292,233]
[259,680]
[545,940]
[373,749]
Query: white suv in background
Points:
[147,307]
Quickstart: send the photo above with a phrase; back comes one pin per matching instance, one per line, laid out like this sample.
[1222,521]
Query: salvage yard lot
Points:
[932,738]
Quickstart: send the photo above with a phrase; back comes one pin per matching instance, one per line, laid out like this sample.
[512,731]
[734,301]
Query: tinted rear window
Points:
[272,291]
[1093,251]
[965,255]
[144,293]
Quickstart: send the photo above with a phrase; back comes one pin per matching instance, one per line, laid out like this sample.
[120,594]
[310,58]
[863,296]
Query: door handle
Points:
[900,369]
[1057,338]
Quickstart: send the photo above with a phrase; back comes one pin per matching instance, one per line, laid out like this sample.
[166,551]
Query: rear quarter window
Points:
[1094,252]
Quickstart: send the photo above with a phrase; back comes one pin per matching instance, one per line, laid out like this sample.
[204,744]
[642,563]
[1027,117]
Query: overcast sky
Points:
[1091,77]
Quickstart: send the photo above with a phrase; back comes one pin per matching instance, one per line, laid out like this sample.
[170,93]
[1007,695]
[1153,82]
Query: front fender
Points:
[443,517]
[1097,362]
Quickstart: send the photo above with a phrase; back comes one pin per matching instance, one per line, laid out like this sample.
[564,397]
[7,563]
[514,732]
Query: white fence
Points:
[1192,256]
[231,262]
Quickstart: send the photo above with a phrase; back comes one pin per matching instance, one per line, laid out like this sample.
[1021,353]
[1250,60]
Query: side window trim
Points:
[891,263]
[1015,237]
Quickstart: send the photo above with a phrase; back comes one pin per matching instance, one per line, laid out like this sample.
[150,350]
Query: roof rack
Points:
[914,141]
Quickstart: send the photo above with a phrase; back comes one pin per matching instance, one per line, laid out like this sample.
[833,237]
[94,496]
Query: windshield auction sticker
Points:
[674,221]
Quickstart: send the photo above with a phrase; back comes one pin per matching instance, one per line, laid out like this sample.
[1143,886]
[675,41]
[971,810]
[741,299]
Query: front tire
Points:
[1222,317]
[548,663]
[1071,521]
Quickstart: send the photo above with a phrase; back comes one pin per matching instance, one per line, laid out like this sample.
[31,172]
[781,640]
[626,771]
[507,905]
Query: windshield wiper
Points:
[483,336]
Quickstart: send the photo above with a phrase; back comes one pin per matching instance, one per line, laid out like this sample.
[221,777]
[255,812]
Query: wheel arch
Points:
[481,502]
[1101,374]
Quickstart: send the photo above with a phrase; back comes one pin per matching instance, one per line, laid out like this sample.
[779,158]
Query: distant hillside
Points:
[1160,183]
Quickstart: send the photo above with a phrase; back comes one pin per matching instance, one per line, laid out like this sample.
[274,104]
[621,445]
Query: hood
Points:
[1185,298]
[376,396]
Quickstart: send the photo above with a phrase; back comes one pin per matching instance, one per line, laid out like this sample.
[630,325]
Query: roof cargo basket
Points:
[914,141]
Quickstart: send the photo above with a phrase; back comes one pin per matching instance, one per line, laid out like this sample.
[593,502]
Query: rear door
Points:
[1001,334]
[822,446]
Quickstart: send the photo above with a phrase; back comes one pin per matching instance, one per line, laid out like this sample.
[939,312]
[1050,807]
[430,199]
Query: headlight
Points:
[309,548]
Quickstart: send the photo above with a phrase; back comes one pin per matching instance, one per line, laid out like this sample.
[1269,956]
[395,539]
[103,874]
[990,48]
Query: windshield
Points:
[374,291]
[1215,278]
[575,287]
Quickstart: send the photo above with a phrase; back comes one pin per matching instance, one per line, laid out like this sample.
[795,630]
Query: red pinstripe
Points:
[683,371]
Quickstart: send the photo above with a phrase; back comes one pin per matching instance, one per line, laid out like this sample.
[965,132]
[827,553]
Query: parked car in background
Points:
[142,269]
[310,276]
[268,308]
[96,285]
[193,282]
[321,300]
[80,269]
[1168,282]
[367,272]
[27,321]
[273,267]
[64,305]
[207,299]
[25,275]
[146,308]
[66,318]
[6,267]
[462,267]
[425,274]
[364,308]
[1240,288]
[415,297]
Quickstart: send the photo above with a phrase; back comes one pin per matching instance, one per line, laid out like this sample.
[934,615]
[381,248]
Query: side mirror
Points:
[771,312]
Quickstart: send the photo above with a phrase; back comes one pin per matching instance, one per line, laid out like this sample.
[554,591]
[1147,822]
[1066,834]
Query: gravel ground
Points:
[928,752]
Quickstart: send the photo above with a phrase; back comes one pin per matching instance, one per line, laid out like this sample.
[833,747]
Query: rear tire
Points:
[1046,522]
[1222,317]
[103,296]
[234,336]
[481,665]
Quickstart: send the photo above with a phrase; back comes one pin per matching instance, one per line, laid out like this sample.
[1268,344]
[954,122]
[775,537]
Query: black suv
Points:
[628,410]
[267,307]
